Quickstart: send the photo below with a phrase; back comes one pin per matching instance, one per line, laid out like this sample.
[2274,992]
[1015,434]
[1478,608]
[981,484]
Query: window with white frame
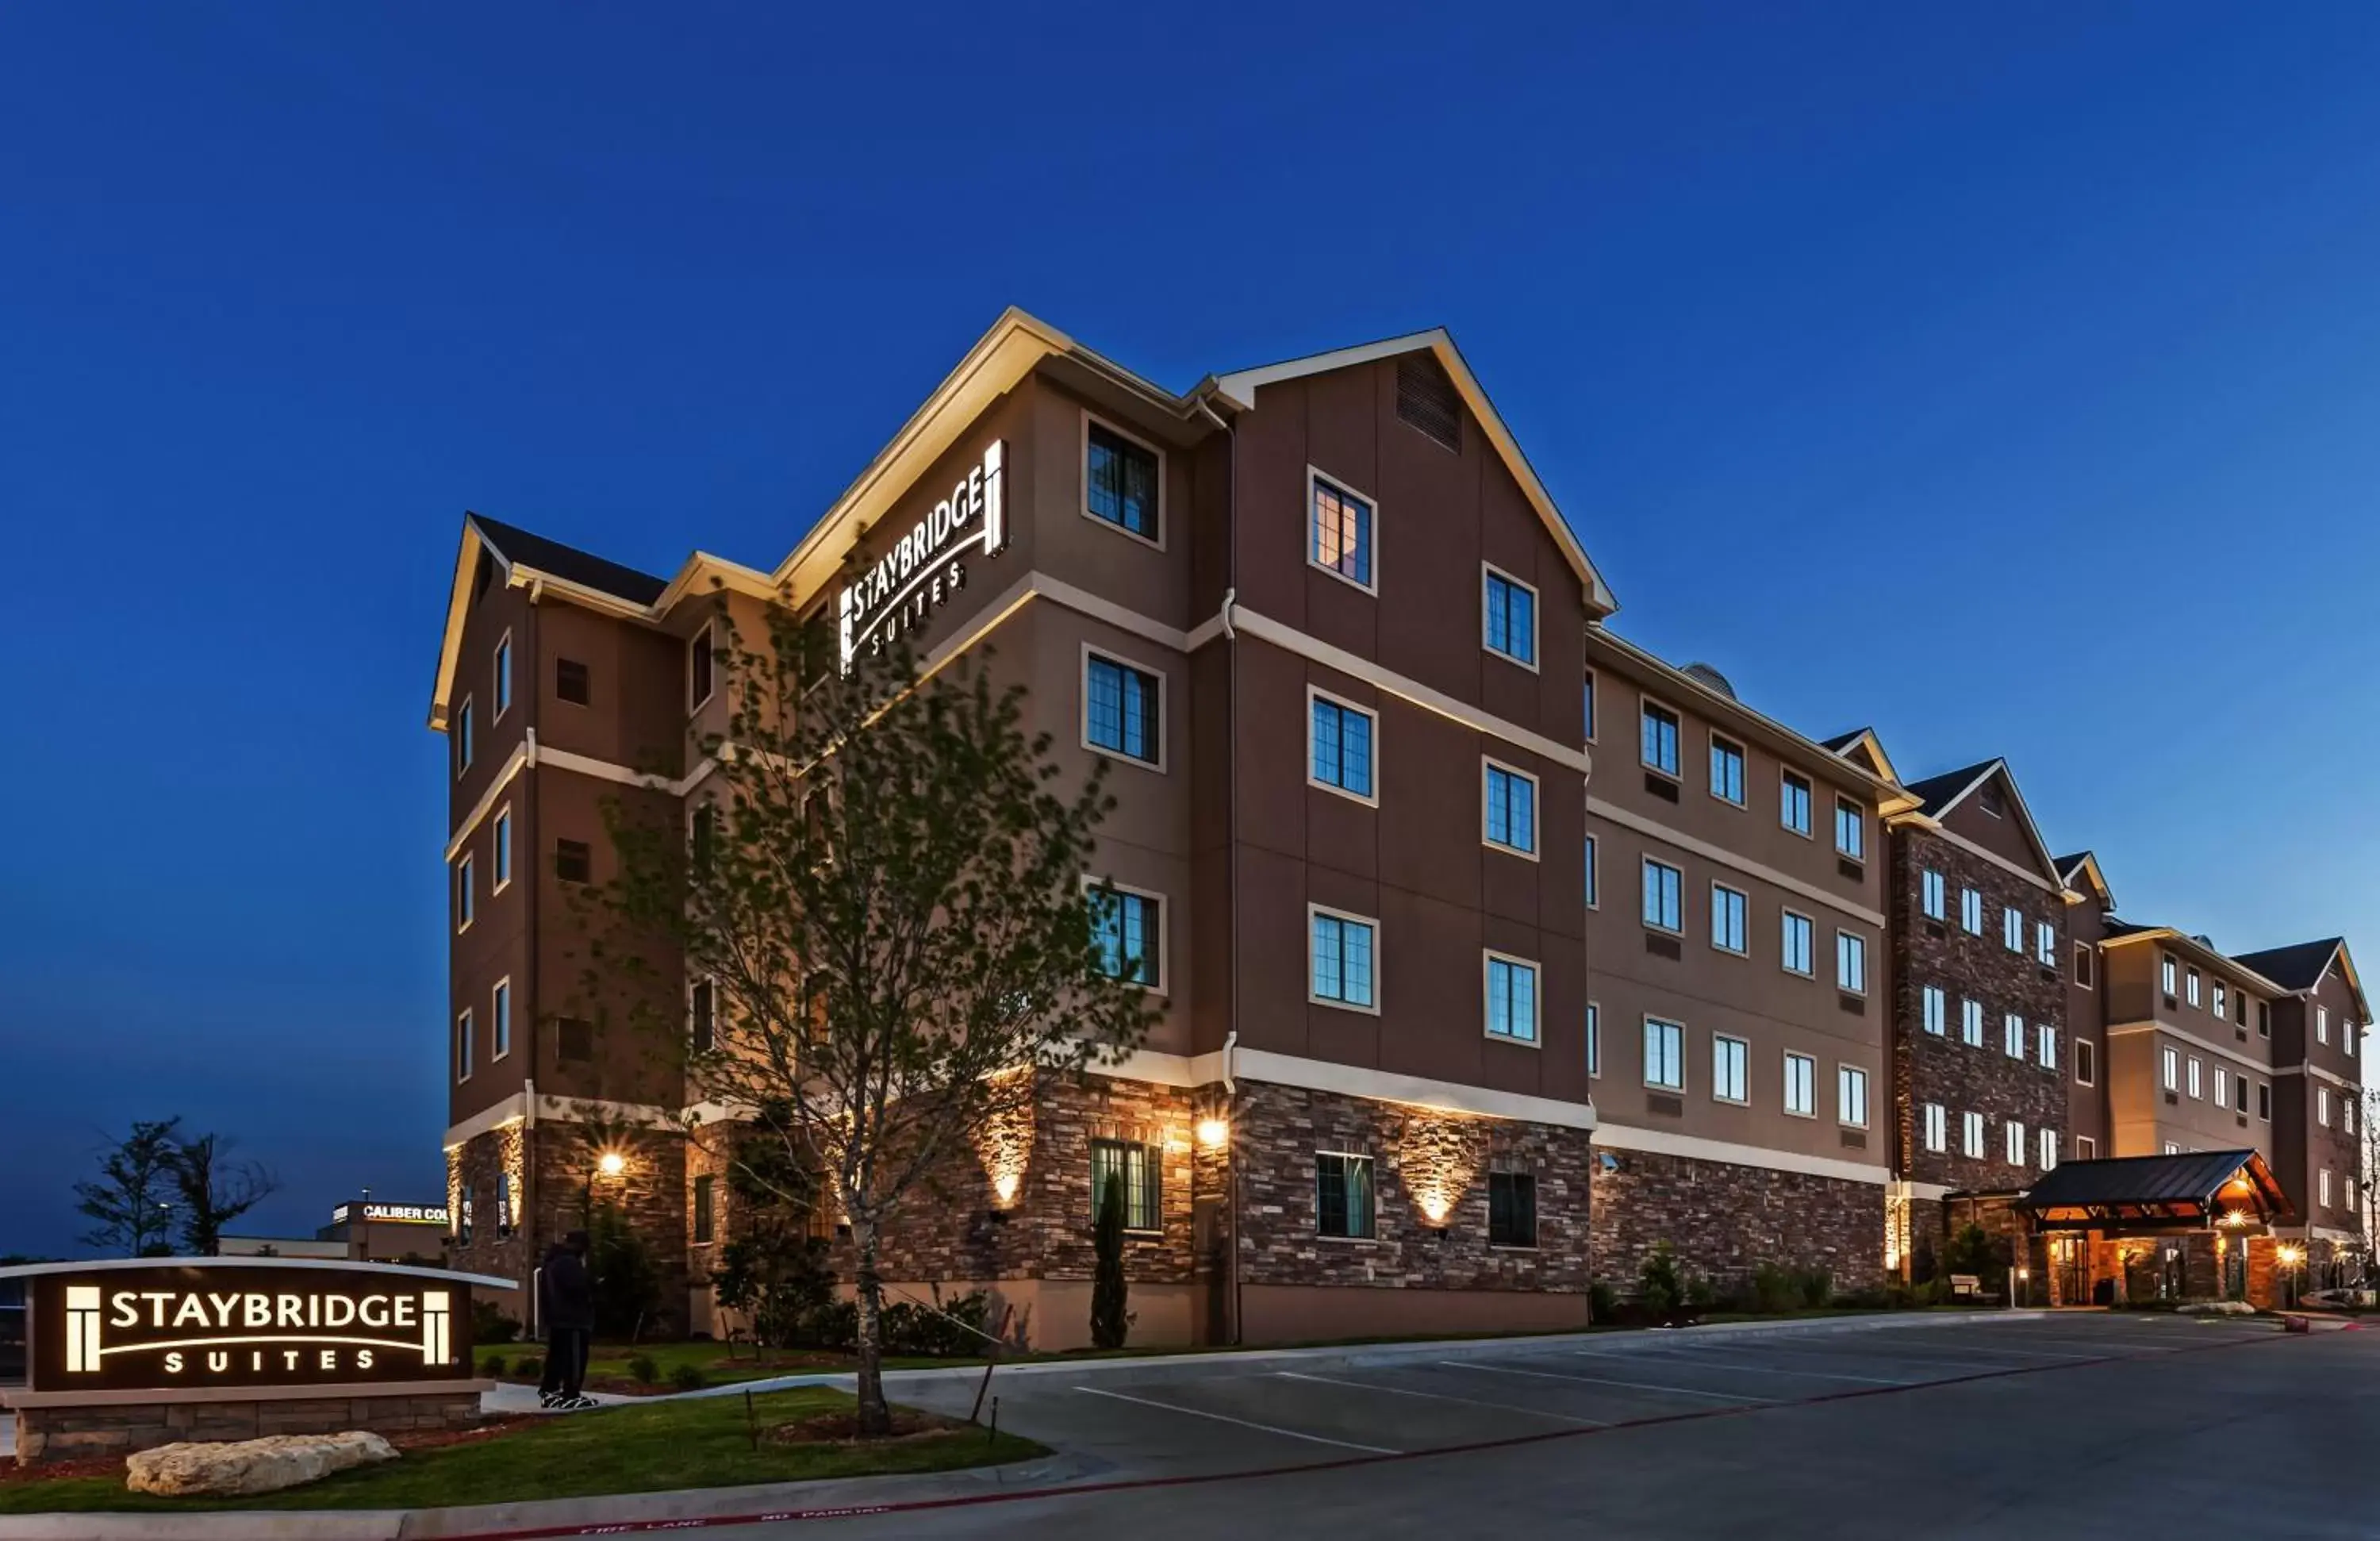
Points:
[2194,984]
[1970,912]
[2243,1093]
[1594,1039]
[1730,910]
[2347,1115]
[1665,1054]
[1800,938]
[1664,896]
[2012,929]
[2047,1046]
[465,1046]
[2322,1024]
[1121,482]
[465,897]
[2265,1101]
[1938,1128]
[501,850]
[1512,999]
[2322,1106]
[1726,770]
[2325,1188]
[2016,1151]
[2194,1089]
[1594,876]
[1936,1009]
[500,1020]
[1586,700]
[2045,944]
[1659,748]
[2083,971]
[1801,1086]
[1340,533]
[2087,1062]
[1342,1196]
[1851,963]
[504,662]
[1793,802]
[2169,975]
[1970,1023]
[1729,1069]
[463,742]
[1339,742]
[2172,1069]
[1129,928]
[1851,830]
[701,659]
[703,1015]
[2222,1087]
[1512,617]
[1511,805]
[2222,1000]
[2013,1035]
[2085,1149]
[2048,1147]
[1850,1096]
[1122,709]
[1340,959]
[1970,1134]
[1933,894]
[2171,1148]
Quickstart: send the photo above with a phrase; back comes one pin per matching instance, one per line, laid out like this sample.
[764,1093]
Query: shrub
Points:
[1658,1284]
[1602,1304]
[528,1366]
[1874,1298]
[689,1377]
[627,1274]
[1773,1289]
[645,1370]
[1818,1287]
[492,1326]
[1110,1323]
[493,1366]
[1701,1293]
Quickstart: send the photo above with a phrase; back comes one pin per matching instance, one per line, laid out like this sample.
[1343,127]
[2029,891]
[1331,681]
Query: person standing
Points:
[567,1303]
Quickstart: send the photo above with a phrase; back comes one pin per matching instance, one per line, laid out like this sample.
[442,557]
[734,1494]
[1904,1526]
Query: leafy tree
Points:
[772,1268]
[1660,1285]
[885,884]
[1109,1321]
[214,1189]
[625,1274]
[127,1203]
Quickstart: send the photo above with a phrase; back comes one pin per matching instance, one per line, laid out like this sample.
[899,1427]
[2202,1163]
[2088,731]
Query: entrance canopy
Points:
[2148,1194]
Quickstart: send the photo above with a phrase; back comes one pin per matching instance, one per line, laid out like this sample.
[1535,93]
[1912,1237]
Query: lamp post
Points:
[2289,1256]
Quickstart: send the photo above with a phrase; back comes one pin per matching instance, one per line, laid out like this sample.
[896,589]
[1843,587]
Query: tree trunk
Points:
[875,1417]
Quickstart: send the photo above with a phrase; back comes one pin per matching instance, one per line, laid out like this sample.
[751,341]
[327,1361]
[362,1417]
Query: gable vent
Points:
[1426,399]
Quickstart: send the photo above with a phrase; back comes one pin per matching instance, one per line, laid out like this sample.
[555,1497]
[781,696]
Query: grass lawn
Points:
[699,1443]
[721,1364]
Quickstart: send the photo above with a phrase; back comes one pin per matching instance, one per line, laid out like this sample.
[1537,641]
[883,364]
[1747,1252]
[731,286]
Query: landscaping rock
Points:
[250,1465]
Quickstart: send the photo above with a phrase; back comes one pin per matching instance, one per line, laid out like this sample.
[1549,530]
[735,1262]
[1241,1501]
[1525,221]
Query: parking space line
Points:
[1893,1354]
[1227,1418]
[1630,1385]
[2019,1352]
[1442,1396]
[1675,1356]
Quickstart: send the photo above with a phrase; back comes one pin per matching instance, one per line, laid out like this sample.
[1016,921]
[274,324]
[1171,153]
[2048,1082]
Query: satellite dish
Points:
[1705,675]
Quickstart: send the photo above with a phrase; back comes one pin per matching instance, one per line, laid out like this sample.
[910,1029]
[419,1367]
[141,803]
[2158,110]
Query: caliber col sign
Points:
[922,569]
[202,1324]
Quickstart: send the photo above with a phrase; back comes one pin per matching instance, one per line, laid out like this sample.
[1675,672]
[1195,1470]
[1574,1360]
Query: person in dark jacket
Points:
[565,1302]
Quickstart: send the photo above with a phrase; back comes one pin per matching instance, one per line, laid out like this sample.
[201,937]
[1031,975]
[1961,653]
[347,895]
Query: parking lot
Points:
[1931,1422]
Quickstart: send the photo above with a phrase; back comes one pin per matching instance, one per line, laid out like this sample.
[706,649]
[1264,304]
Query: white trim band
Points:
[1661,1142]
[1654,829]
[1379,1085]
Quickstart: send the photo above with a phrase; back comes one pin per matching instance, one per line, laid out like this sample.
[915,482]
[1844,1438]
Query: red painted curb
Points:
[1024,1495]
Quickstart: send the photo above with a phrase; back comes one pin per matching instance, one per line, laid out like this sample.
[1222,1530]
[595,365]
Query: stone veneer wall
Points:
[63,1433]
[1969,1078]
[1429,1175]
[1724,1220]
[557,1182]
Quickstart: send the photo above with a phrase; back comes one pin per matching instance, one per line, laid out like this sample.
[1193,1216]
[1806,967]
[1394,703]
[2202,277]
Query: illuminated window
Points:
[1970,1134]
[2012,1035]
[1341,534]
[1129,932]
[2325,1188]
[1850,1096]
[1512,999]
[2192,994]
[1970,912]
[1801,1086]
[500,1020]
[2193,1076]
[1729,913]
[1793,801]
[2322,1106]
[2016,1152]
[2322,1024]
[1799,941]
[1512,1208]
[1936,1007]
[1342,963]
[2172,1069]
[504,662]
[1512,809]
[1729,1069]
[2047,1046]
[1133,1167]
[1726,770]
[2048,1147]
[1665,1054]
[1120,482]
[1340,733]
[1938,1128]
[1936,895]
[2222,1087]
[1664,896]
[1122,709]
[2012,929]
[1659,750]
[1512,618]
[2170,975]
[1342,1196]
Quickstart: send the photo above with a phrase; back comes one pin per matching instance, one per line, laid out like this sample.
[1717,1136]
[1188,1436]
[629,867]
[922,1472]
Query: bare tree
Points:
[886,890]
[126,1202]
[214,1189]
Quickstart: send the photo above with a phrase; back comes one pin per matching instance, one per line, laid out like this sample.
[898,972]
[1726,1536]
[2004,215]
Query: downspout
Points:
[1232,833]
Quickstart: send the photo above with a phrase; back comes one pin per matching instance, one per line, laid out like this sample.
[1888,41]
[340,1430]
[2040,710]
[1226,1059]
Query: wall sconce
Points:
[611,1163]
[1214,1132]
[1004,1186]
[1434,1206]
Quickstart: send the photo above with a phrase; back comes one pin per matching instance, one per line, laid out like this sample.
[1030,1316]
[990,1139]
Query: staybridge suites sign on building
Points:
[207,1324]
[921,568]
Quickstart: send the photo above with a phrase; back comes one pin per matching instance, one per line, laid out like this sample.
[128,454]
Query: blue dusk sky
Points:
[2004,376]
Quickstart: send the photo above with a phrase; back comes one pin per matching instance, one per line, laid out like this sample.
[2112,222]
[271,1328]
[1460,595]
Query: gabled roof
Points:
[2082,866]
[1861,743]
[2194,1188]
[1936,796]
[2302,965]
[1240,387]
[514,545]
[2121,931]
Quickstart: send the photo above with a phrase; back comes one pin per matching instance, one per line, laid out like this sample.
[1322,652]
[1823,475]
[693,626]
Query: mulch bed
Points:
[113,1465]
[841,1427]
